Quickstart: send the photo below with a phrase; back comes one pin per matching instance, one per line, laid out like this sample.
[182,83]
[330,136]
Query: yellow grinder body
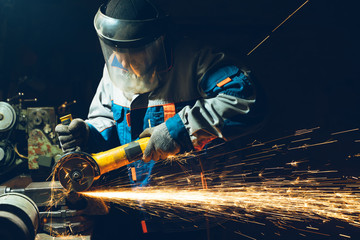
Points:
[77,171]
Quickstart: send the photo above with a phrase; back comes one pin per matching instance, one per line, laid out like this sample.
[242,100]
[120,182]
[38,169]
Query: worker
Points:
[181,94]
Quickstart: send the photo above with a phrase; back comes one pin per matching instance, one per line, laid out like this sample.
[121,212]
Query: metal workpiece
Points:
[69,226]
[58,212]
[53,200]
[43,236]
[64,221]
[40,193]
[19,217]
[61,213]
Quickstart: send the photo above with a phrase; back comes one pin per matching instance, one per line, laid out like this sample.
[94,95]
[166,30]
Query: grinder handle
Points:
[120,156]
[65,120]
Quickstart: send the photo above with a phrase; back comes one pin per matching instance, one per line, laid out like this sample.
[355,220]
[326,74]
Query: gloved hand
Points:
[73,137]
[160,145]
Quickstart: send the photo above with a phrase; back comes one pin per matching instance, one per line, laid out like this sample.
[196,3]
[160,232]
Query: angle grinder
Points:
[78,170]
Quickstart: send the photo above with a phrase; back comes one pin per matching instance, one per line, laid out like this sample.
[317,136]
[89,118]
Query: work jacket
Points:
[204,95]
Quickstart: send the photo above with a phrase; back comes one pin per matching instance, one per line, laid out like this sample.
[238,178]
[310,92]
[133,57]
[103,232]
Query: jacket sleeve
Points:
[229,108]
[101,122]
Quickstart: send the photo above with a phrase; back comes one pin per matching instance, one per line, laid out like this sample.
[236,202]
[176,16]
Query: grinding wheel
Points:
[76,171]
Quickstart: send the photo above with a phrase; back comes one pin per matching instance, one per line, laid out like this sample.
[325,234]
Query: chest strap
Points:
[169,111]
[128,119]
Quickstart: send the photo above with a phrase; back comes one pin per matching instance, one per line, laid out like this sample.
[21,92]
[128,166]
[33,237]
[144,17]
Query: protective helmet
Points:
[131,34]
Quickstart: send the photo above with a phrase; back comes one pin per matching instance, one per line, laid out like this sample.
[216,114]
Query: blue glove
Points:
[160,145]
[73,137]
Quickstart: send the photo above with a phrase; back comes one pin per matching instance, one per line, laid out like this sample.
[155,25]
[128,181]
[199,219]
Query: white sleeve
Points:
[100,114]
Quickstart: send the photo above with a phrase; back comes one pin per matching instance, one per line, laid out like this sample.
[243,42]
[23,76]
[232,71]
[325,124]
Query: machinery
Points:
[10,125]
[77,171]
[19,215]
[29,149]
[7,117]
[27,139]
[28,142]
[46,208]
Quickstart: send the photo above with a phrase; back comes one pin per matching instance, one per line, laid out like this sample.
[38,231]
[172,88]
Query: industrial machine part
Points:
[19,217]
[39,192]
[42,141]
[57,216]
[77,171]
[9,123]
[10,164]
[7,117]
[43,118]
[41,152]
[7,156]
[27,137]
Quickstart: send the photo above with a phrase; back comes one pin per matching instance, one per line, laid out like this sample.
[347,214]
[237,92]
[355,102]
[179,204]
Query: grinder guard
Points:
[77,171]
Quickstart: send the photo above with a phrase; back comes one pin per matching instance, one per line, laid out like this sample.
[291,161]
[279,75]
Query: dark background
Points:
[308,67]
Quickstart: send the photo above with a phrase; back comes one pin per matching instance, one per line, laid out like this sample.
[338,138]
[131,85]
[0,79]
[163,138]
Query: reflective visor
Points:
[133,50]
[134,70]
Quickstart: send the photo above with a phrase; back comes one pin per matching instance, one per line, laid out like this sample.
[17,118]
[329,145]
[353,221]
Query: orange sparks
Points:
[286,19]
[297,203]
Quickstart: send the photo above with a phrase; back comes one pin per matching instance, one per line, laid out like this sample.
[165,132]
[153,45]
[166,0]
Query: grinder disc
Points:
[76,171]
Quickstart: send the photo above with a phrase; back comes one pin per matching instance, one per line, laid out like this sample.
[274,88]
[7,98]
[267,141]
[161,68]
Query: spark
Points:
[250,195]
[290,16]
[305,131]
[293,163]
[346,236]
[63,237]
[303,230]
[246,190]
[238,232]
[309,227]
[257,143]
[298,202]
[286,19]
[346,131]
[301,140]
[259,44]
[180,158]
[312,145]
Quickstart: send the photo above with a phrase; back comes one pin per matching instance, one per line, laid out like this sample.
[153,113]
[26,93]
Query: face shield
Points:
[133,50]
[134,70]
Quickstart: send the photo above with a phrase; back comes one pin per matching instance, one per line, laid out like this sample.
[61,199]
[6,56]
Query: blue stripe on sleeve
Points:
[179,133]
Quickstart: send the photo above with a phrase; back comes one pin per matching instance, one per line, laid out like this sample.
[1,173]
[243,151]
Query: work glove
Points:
[160,145]
[73,137]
